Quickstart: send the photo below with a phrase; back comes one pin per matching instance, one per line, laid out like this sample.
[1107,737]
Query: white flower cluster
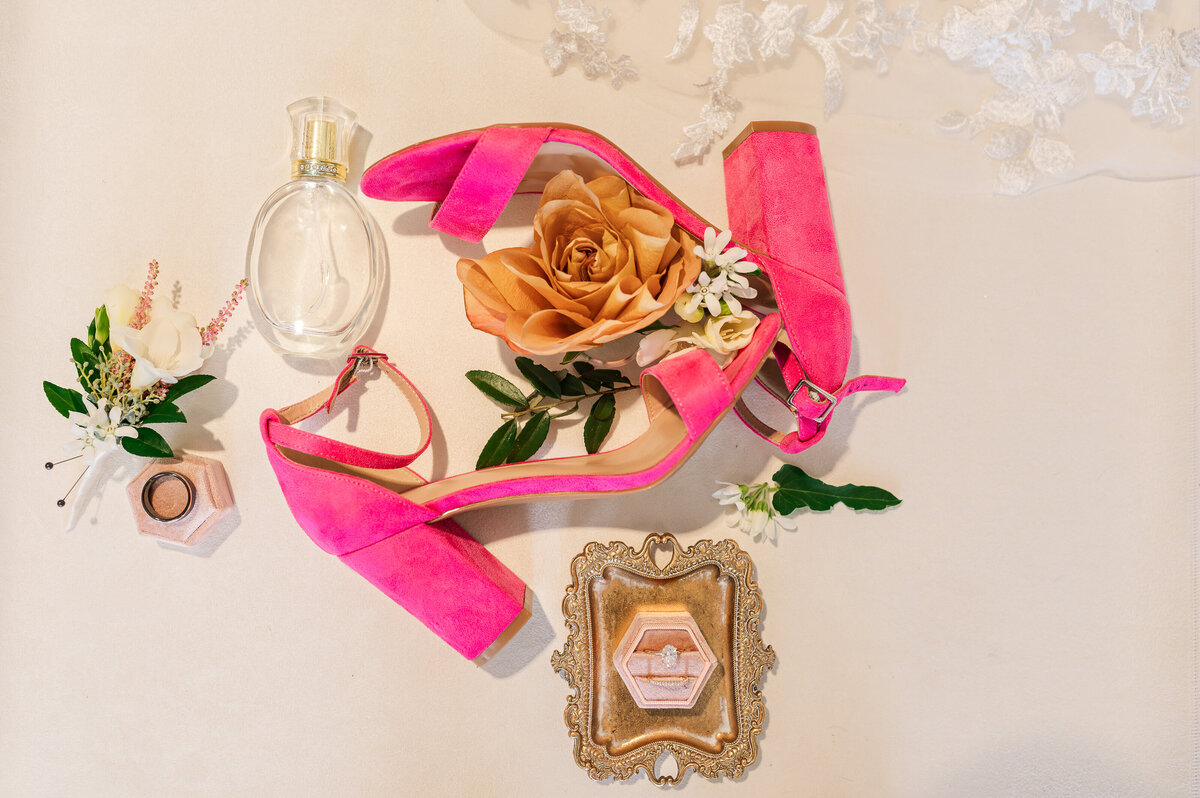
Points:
[753,512]
[98,430]
[722,281]
[711,309]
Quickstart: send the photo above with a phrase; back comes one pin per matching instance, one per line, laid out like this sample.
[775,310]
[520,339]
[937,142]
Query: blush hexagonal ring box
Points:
[665,660]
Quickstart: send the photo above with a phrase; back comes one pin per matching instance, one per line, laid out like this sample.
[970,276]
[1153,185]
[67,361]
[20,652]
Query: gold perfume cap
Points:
[319,144]
[321,131]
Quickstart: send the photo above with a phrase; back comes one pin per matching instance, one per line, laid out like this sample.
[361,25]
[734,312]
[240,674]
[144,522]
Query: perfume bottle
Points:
[315,261]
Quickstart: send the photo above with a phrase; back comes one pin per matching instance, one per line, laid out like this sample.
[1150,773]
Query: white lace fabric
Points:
[1048,74]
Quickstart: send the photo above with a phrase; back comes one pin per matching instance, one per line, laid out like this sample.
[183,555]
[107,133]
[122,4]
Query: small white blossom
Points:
[99,429]
[726,271]
[707,291]
[754,513]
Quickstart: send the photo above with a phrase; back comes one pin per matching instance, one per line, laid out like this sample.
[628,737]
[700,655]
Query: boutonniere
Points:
[139,357]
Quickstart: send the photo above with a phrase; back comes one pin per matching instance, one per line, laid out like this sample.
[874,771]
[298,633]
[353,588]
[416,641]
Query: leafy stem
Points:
[514,443]
[534,408]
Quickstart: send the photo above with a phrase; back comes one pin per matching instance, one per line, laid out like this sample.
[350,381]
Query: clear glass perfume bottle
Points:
[315,262]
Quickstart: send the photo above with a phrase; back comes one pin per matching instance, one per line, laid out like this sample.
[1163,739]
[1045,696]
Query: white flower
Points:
[119,301]
[687,309]
[731,33]
[724,335]
[731,494]
[714,251]
[713,244]
[99,429]
[707,291]
[720,262]
[754,513]
[167,348]
[662,343]
[734,290]
[721,335]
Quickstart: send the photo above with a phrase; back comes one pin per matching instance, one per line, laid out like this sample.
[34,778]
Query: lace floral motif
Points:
[1019,43]
[739,36]
[1029,48]
[584,41]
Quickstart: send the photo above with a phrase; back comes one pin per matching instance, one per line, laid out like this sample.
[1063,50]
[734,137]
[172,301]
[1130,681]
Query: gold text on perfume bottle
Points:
[316,168]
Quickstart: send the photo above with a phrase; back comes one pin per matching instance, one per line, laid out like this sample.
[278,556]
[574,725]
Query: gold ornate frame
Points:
[585,661]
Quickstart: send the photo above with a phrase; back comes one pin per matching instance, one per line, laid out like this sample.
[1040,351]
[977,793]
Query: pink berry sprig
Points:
[141,311]
[209,334]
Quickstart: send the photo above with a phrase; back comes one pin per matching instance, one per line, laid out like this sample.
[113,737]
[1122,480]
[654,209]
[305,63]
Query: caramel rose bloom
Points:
[605,262]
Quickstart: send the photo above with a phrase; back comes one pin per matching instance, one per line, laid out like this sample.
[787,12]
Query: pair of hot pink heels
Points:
[386,522]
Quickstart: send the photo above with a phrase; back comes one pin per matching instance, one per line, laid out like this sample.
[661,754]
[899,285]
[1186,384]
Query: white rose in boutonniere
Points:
[167,348]
[120,302]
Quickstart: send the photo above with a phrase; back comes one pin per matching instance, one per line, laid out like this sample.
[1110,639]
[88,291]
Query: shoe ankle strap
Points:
[489,178]
[280,431]
[812,405]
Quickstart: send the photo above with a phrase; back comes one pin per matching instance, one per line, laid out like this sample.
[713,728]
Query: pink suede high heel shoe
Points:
[779,212]
[386,522]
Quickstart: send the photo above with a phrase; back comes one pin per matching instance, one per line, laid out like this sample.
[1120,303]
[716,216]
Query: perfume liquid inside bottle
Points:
[315,263]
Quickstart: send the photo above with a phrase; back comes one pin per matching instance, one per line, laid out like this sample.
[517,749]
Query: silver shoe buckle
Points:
[815,394]
[365,362]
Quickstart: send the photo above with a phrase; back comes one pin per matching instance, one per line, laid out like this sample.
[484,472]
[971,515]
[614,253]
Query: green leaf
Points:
[187,385]
[148,443]
[499,389]
[797,489]
[572,385]
[540,377]
[583,367]
[610,377]
[497,449]
[599,422]
[164,413]
[591,380]
[64,400]
[657,325]
[531,438]
[605,407]
[568,357]
[92,333]
[83,354]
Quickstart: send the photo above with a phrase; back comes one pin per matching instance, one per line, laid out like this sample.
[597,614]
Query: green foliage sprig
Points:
[552,395]
[797,490]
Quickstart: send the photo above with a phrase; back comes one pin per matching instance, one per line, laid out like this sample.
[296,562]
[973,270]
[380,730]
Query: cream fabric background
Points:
[1020,625]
